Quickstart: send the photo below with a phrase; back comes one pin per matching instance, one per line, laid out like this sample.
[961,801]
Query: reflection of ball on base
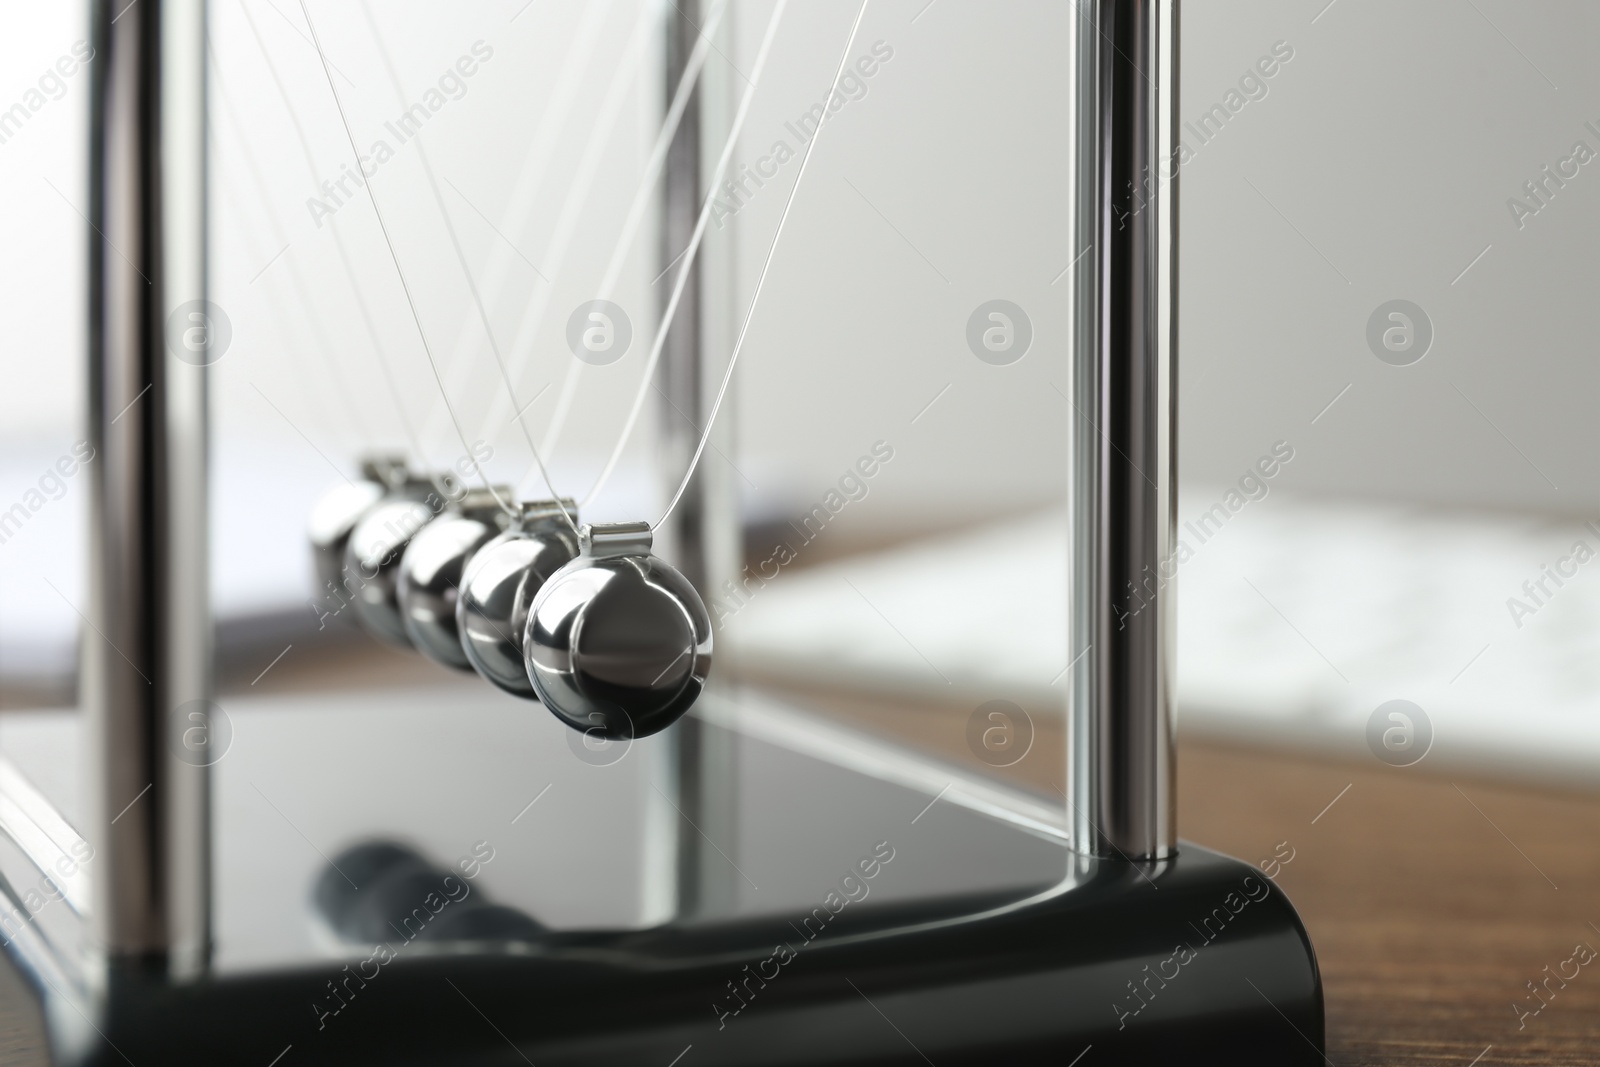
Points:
[618,642]
[499,588]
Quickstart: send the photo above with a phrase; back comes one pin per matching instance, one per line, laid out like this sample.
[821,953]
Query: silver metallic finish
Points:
[431,569]
[618,642]
[703,536]
[1123,470]
[499,587]
[335,515]
[372,564]
[333,519]
[147,650]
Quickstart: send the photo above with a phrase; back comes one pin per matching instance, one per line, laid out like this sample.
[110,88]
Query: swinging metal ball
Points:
[618,643]
[336,513]
[499,588]
[333,519]
[431,572]
[372,560]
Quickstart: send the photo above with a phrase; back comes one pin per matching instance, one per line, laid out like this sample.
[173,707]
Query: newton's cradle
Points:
[990,928]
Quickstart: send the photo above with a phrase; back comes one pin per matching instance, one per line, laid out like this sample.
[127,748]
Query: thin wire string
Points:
[405,287]
[692,67]
[687,257]
[386,372]
[641,202]
[278,237]
[466,269]
[582,185]
[761,282]
[536,162]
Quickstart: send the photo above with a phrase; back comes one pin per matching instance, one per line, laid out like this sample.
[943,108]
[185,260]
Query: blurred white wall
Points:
[1375,164]
[1380,167]
[43,183]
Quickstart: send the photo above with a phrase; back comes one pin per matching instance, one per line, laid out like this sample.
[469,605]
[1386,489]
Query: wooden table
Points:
[1431,900]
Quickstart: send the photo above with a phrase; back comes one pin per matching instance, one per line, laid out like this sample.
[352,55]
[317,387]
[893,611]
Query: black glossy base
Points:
[1199,960]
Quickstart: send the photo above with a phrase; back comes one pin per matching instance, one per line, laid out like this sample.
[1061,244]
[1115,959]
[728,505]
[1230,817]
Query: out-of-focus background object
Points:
[1296,627]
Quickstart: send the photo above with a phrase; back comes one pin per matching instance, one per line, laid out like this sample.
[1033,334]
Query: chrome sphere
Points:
[499,588]
[431,571]
[618,643]
[333,519]
[372,559]
[336,513]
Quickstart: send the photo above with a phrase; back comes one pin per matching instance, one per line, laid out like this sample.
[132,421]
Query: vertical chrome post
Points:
[146,657]
[1123,492]
[702,538]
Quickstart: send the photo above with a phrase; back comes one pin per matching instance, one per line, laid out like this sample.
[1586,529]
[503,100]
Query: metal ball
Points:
[618,643]
[431,572]
[499,587]
[333,519]
[336,513]
[372,560]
